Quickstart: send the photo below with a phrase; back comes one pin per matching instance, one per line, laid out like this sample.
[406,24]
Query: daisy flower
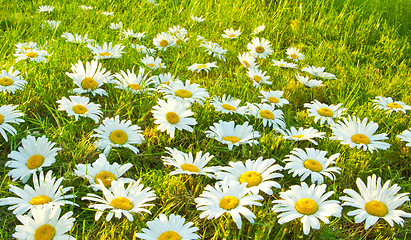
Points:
[307,203]
[258,77]
[231,33]
[32,156]
[121,200]
[197,19]
[89,79]
[45,8]
[389,105]
[357,133]
[247,60]
[76,38]
[376,201]
[107,51]
[11,81]
[294,54]
[25,47]
[406,137]
[307,82]
[113,133]
[84,7]
[228,105]
[302,134]
[233,135]
[188,92]
[153,64]
[116,26]
[107,13]
[165,78]
[102,170]
[267,112]
[318,72]
[164,40]
[78,106]
[323,112]
[197,67]
[260,48]
[33,55]
[51,24]
[134,83]
[214,49]
[177,30]
[258,174]
[258,29]
[284,64]
[46,192]
[273,98]
[129,33]
[187,164]
[231,199]
[8,114]
[143,49]
[180,39]
[172,115]
[311,162]
[45,223]
[173,227]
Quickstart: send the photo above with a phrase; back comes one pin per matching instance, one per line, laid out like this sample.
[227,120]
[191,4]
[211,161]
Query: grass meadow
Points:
[366,44]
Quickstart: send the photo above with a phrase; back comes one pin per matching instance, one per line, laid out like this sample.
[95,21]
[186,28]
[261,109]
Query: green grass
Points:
[366,44]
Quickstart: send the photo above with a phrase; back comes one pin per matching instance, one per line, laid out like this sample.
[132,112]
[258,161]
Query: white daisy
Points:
[284,64]
[45,8]
[107,51]
[84,7]
[258,77]
[323,112]
[271,117]
[318,72]
[376,201]
[32,156]
[197,67]
[170,228]
[231,33]
[303,134]
[258,174]
[134,83]
[231,199]
[46,192]
[164,78]
[121,200]
[107,13]
[228,105]
[260,48]
[247,60]
[8,115]
[177,30]
[78,39]
[25,47]
[307,82]
[197,19]
[233,135]
[214,49]
[180,39]
[116,26]
[258,29]
[33,55]
[188,92]
[129,33]
[273,97]
[11,81]
[152,63]
[78,106]
[164,40]
[143,49]
[294,54]
[390,105]
[307,203]
[51,24]
[359,134]
[406,137]
[113,133]
[311,162]
[172,115]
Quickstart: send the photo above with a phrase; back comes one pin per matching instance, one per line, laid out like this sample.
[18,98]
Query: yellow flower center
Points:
[35,161]
[31,54]
[246,64]
[106,54]
[26,48]
[394,105]
[189,167]
[360,138]
[232,139]
[118,137]
[121,203]
[106,178]
[273,99]
[5,81]
[164,43]
[257,78]
[313,165]
[79,109]
[172,117]
[228,202]
[169,235]
[306,206]
[259,49]
[1,119]
[45,232]
[326,112]
[294,56]
[228,107]
[252,178]
[89,83]
[183,93]
[231,36]
[151,65]
[135,86]
[376,208]
[267,114]
[202,66]
[40,200]
[298,136]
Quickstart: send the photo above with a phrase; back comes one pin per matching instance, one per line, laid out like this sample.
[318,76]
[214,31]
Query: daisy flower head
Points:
[390,105]
[311,162]
[152,63]
[164,40]
[197,67]
[129,33]
[121,200]
[318,72]
[406,137]
[231,199]
[376,201]
[25,47]
[303,134]
[214,49]
[32,156]
[307,203]
[11,81]
[51,24]
[307,82]
[247,60]
[273,98]
[116,26]
[258,174]
[113,133]
[47,191]
[360,134]
[84,7]
[78,106]
[76,38]
[45,8]
[102,170]
[185,163]
[107,51]
[228,105]
[294,54]
[197,19]
[258,29]
[271,117]
[107,13]
[172,115]
[134,83]
[143,49]
[164,78]
[9,114]
[323,112]
[173,227]
[45,223]
[231,33]
[258,77]
[188,92]
[34,55]
[177,30]
[180,39]
[260,48]
[233,135]
[284,64]
[90,78]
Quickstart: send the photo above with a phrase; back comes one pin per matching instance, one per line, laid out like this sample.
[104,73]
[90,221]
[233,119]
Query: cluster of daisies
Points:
[238,186]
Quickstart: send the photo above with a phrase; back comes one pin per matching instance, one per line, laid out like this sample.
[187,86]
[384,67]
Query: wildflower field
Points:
[195,119]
